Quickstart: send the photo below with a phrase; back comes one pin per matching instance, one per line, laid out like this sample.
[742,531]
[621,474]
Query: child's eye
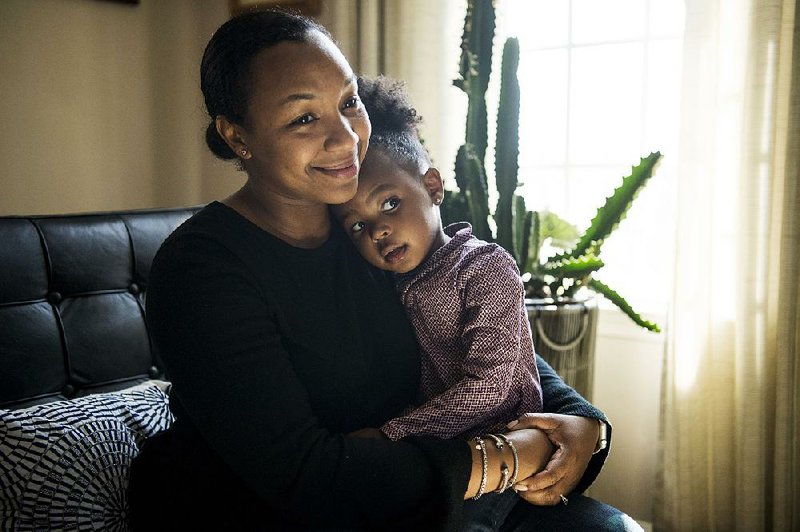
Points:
[357,227]
[390,204]
[351,102]
[303,120]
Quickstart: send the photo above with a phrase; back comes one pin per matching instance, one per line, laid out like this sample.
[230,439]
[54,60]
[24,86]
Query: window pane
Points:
[588,188]
[544,188]
[666,17]
[538,23]
[663,89]
[607,20]
[543,105]
[606,94]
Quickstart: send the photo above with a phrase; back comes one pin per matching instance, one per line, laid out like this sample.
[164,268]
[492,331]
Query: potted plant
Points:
[563,319]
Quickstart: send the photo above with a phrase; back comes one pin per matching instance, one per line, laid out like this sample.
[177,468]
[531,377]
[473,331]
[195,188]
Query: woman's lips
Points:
[345,170]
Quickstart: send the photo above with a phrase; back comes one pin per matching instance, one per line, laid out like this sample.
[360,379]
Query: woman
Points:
[280,340]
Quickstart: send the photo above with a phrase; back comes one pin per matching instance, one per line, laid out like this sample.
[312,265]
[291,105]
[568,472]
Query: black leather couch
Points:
[73,347]
[72,292]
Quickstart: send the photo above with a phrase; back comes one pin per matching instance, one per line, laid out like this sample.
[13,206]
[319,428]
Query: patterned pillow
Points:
[65,465]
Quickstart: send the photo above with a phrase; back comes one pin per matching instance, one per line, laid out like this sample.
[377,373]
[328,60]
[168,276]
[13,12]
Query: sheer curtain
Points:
[731,390]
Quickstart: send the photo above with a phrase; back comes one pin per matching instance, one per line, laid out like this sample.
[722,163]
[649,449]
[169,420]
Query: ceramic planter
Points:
[564,333]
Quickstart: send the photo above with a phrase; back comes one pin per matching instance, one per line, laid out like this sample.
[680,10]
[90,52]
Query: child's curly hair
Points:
[394,122]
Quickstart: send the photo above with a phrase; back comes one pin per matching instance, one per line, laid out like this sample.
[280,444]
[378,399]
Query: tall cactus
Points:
[507,152]
[474,72]
[520,231]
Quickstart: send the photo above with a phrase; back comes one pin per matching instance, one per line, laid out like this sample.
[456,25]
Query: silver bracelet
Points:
[481,446]
[503,468]
[516,460]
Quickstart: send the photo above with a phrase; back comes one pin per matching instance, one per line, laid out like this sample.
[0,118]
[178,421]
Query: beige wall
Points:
[102,109]
[101,106]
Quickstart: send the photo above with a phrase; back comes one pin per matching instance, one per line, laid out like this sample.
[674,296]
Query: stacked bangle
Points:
[508,479]
[481,446]
[516,460]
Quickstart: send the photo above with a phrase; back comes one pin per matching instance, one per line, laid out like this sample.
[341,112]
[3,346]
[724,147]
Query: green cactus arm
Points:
[476,193]
[507,139]
[615,208]
[573,268]
[507,145]
[624,306]
[522,224]
[454,207]
[536,243]
[476,129]
[460,169]
[475,67]
[476,43]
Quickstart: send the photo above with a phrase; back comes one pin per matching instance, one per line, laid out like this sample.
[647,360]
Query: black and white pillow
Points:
[65,465]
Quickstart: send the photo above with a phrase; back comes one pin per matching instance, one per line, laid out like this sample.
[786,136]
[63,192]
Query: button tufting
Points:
[68,391]
[134,289]
[154,372]
[54,298]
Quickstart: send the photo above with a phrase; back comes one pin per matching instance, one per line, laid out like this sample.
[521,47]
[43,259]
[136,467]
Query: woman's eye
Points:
[390,204]
[305,119]
[357,227]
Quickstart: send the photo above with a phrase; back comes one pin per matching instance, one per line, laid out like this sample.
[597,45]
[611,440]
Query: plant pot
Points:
[564,333]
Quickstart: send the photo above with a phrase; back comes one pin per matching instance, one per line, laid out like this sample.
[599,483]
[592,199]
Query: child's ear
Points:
[432,180]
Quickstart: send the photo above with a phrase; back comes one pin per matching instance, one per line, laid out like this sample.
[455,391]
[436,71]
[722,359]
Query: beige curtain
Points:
[731,390]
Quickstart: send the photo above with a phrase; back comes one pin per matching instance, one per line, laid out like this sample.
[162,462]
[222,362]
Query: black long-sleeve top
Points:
[274,354]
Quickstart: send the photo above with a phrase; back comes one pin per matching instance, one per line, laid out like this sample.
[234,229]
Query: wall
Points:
[101,105]
[627,387]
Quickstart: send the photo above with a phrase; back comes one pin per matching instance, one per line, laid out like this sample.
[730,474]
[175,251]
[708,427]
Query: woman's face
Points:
[306,130]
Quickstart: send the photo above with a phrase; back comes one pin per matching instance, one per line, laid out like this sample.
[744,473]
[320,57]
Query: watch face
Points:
[602,439]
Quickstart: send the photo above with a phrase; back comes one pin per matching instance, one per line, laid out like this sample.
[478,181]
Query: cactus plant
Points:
[520,231]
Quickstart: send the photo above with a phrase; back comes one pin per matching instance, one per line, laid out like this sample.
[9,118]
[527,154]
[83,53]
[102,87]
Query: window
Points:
[600,85]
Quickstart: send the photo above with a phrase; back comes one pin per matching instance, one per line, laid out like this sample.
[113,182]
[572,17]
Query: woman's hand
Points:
[574,438]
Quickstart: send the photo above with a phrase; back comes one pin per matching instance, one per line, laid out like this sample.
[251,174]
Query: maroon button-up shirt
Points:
[466,303]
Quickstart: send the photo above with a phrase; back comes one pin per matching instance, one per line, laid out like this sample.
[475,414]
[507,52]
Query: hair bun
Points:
[216,144]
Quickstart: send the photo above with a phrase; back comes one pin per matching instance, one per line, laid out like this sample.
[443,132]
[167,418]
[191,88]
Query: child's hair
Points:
[394,122]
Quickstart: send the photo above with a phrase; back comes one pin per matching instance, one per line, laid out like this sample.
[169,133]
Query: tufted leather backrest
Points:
[72,292]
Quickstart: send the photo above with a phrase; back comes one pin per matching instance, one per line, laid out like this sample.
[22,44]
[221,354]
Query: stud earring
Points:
[437,200]
[244,152]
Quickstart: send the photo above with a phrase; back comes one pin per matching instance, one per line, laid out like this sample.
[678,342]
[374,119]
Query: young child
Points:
[464,297]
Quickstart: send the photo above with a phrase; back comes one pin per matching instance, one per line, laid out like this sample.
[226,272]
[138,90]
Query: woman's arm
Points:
[571,423]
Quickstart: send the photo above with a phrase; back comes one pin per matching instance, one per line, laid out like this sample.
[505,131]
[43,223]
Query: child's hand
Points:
[368,433]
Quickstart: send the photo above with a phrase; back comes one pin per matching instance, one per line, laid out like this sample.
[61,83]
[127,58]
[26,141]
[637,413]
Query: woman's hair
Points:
[394,122]
[225,69]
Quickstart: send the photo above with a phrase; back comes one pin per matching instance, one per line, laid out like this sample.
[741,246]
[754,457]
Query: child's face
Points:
[394,217]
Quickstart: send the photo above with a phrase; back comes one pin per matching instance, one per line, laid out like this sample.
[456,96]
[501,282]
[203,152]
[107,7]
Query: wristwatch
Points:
[602,439]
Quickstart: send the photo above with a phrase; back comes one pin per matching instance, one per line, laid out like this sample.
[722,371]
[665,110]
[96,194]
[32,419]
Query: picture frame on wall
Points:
[309,8]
